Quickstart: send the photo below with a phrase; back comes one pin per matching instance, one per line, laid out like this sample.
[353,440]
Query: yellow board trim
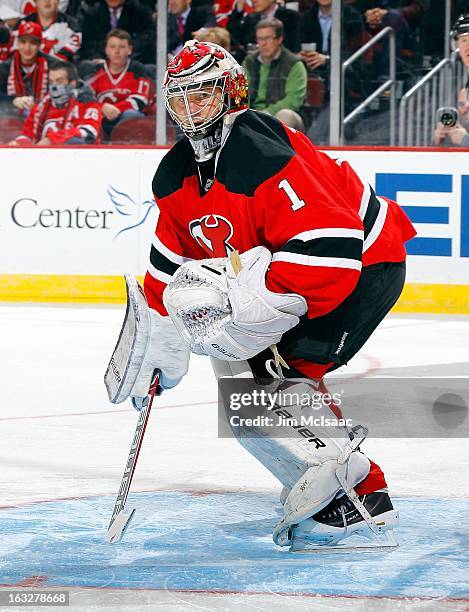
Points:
[84,289]
[76,289]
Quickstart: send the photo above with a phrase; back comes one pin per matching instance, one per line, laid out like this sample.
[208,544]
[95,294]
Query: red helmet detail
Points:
[193,58]
[207,73]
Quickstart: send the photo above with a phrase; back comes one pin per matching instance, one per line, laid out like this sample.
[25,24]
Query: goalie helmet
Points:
[203,84]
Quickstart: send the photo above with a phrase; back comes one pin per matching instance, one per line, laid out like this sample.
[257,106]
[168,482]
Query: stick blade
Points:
[118,526]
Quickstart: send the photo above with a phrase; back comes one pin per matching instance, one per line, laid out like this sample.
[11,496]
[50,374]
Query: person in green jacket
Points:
[277,77]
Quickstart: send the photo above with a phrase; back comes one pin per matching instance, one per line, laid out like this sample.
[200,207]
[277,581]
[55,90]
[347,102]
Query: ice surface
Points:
[204,523]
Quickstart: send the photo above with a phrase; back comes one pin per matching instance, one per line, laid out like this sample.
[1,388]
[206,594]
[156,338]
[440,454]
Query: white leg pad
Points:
[314,471]
[316,488]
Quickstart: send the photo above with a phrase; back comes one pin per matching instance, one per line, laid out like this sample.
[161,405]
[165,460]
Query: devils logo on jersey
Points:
[212,233]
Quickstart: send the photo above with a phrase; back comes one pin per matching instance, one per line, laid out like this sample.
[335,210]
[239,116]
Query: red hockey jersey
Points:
[273,188]
[60,39]
[128,90]
[79,118]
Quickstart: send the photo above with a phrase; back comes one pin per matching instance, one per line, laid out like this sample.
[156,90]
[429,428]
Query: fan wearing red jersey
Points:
[60,36]
[66,115]
[322,262]
[120,84]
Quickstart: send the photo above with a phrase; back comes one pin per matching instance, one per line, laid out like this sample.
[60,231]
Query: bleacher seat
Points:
[10,127]
[138,132]
[315,91]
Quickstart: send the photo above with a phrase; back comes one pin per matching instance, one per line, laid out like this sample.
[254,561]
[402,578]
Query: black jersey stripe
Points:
[346,248]
[371,214]
[162,263]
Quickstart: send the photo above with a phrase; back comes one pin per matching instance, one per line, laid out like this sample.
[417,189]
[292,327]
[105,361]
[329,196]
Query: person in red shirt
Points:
[322,262]
[60,36]
[67,115]
[28,68]
[120,84]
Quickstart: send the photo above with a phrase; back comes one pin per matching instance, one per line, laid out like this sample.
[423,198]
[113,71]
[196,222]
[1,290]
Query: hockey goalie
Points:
[322,261]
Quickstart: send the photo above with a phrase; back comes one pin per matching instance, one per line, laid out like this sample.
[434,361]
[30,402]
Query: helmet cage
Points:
[203,67]
[183,95]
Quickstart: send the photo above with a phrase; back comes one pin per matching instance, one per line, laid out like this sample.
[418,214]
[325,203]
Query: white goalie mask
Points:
[202,84]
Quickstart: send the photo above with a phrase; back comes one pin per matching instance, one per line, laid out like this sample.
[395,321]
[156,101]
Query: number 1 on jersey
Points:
[296,203]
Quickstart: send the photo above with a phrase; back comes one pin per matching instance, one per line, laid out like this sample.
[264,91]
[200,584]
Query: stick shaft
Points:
[134,453]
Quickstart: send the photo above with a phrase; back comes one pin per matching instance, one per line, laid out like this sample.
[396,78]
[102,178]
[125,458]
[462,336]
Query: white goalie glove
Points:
[226,314]
[147,342]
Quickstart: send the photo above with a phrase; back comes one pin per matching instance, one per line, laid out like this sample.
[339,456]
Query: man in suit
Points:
[316,25]
[127,15]
[183,19]
[242,26]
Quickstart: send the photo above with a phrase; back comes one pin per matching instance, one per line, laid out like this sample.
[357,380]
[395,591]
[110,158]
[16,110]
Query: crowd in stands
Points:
[71,71]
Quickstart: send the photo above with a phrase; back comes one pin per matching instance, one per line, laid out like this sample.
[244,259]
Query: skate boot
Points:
[341,518]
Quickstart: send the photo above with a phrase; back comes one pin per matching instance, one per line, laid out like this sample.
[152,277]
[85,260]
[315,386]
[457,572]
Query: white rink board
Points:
[81,211]
[59,218]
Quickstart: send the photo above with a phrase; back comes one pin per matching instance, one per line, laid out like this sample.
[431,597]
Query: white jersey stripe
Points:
[159,275]
[364,201]
[329,232]
[310,260]
[377,226]
[174,257]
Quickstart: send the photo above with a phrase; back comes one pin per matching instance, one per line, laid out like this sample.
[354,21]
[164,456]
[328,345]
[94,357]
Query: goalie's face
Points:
[196,107]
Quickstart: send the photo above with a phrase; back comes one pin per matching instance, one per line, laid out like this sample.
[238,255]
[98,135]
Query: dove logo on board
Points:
[131,212]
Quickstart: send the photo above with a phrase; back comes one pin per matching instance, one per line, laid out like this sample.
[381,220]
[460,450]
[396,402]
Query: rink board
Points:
[222,543]
[68,234]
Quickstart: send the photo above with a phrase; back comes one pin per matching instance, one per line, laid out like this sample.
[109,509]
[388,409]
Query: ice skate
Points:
[331,528]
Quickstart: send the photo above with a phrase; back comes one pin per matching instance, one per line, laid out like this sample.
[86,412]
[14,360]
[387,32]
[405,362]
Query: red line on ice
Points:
[409,598]
[122,411]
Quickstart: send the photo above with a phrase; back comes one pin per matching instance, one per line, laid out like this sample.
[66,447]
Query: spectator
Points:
[242,26]
[219,36]
[120,84]
[277,77]
[403,16]
[60,36]
[183,19]
[222,11]
[458,134]
[27,68]
[128,15]
[460,36]
[68,114]
[28,7]
[316,25]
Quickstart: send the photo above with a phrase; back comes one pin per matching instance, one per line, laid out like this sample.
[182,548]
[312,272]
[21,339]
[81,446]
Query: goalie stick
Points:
[120,520]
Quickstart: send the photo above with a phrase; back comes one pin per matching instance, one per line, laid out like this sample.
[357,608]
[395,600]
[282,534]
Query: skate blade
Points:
[118,526]
[386,542]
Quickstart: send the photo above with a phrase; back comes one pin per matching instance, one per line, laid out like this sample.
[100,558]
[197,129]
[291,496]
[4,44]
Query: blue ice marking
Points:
[223,542]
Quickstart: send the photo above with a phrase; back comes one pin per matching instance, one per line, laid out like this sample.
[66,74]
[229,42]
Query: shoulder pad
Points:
[255,136]
[176,165]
